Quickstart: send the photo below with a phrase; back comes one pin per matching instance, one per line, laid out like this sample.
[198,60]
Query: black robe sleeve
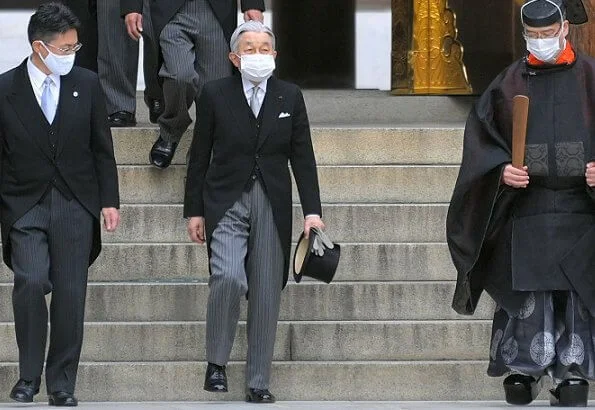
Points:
[479,203]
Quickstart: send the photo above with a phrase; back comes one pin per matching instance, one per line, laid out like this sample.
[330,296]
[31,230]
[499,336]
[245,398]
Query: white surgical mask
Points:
[545,49]
[57,64]
[257,67]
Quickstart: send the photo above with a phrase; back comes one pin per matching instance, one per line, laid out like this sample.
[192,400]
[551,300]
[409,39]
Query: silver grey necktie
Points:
[254,103]
[48,105]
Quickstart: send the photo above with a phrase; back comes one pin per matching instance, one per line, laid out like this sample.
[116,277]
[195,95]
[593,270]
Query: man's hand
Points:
[253,14]
[590,174]
[310,222]
[134,25]
[514,177]
[111,218]
[196,229]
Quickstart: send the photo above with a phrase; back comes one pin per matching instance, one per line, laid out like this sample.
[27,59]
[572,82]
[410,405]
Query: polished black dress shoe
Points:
[62,398]
[570,393]
[520,389]
[162,153]
[215,379]
[259,396]
[121,119]
[156,108]
[24,390]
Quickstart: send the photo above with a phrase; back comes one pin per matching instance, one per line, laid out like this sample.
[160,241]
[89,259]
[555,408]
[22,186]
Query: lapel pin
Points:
[75,94]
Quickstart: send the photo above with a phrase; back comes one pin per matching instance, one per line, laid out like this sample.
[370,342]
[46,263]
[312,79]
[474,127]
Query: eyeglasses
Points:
[541,34]
[65,50]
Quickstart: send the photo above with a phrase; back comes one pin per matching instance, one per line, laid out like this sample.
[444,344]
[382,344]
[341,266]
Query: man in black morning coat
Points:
[57,175]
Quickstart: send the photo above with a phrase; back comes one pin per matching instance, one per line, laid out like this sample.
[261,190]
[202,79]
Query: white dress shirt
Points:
[37,77]
[248,90]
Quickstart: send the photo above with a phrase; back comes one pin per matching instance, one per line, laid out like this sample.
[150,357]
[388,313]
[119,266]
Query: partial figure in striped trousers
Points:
[193,36]
[114,56]
[238,200]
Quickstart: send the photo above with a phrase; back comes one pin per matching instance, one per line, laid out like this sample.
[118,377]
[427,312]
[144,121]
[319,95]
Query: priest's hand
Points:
[515,177]
[196,229]
[590,174]
[312,221]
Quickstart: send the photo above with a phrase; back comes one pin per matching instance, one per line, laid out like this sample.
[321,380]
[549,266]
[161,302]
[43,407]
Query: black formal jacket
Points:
[163,10]
[226,153]
[86,11]
[83,156]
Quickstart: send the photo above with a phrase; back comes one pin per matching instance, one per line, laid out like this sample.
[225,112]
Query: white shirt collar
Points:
[37,76]
[248,85]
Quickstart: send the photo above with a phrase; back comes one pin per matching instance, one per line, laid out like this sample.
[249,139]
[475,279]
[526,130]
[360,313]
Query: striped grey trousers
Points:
[246,256]
[50,247]
[195,51]
[117,58]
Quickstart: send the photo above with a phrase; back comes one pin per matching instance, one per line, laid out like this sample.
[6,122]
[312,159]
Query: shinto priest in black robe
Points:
[533,249]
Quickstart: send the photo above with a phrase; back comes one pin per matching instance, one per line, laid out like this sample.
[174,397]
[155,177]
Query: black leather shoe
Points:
[62,398]
[156,108]
[121,119]
[162,153]
[520,389]
[215,379]
[259,396]
[24,390]
[570,393]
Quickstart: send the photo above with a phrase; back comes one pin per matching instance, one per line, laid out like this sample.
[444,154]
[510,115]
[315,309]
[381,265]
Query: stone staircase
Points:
[384,330]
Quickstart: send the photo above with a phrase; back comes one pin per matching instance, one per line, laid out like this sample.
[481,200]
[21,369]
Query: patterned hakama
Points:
[552,335]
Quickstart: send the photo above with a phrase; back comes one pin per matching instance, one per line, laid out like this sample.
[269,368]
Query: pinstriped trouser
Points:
[117,58]
[50,247]
[246,255]
[194,52]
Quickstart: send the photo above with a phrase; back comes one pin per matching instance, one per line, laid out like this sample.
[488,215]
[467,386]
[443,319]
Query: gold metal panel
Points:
[435,59]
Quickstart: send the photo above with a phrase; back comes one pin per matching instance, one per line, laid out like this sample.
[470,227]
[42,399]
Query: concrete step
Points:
[315,405]
[188,263]
[296,341]
[370,108]
[376,184]
[346,223]
[322,380]
[149,302]
[333,146]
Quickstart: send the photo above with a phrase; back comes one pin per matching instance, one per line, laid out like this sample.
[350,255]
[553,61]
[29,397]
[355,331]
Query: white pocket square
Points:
[284,115]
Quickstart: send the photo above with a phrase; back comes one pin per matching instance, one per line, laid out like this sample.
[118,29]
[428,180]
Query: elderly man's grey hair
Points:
[252,26]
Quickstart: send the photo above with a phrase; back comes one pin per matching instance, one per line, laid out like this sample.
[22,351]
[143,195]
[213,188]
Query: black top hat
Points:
[316,257]
[542,13]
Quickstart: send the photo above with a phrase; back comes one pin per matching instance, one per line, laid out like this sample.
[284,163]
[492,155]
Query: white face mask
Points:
[58,64]
[257,67]
[545,49]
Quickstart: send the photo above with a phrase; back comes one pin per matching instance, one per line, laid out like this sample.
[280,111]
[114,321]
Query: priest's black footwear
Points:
[520,389]
[570,393]
[62,399]
[259,396]
[215,379]
[24,390]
